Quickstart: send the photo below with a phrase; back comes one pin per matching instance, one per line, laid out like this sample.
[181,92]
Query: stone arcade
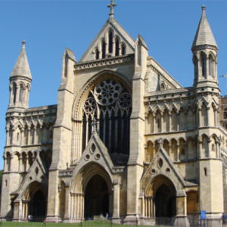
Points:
[125,138]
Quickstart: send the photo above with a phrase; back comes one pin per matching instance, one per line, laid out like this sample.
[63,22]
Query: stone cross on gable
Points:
[111,6]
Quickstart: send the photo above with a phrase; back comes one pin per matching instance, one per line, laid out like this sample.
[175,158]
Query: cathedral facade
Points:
[125,140]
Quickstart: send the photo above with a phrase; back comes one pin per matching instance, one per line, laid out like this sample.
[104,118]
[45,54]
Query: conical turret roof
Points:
[21,67]
[204,34]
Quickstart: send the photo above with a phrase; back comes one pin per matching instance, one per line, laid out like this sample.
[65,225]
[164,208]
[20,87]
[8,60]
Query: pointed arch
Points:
[79,188]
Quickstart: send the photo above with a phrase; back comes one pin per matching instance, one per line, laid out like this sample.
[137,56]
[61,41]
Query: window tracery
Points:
[109,104]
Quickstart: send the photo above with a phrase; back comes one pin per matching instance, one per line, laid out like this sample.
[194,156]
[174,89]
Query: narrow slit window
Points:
[123,49]
[110,41]
[97,54]
[117,46]
[103,49]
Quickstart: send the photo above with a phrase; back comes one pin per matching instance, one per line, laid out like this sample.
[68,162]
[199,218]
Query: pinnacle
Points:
[204,34]
[21,67]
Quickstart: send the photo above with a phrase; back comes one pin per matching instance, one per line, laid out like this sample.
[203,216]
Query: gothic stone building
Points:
[125,137]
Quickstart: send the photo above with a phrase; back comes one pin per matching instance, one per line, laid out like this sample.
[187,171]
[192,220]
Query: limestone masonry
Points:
[125,140]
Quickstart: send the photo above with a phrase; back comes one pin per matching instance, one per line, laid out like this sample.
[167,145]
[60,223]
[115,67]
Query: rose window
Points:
[107,92]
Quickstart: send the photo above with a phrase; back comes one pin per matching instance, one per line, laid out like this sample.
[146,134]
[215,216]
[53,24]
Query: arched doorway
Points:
[96,197]
[37,206]
[160,197]
[165,202]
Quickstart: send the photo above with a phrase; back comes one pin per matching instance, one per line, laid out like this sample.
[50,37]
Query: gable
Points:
[95,152]
[36,173]
[119,35]
[162,165]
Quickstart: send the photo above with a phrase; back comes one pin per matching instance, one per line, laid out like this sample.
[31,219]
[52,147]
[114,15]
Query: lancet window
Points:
[117,46]
[203,64]
[14,93]
[211,65]
[110,41]
[103,48]
[109,105]
[123,49]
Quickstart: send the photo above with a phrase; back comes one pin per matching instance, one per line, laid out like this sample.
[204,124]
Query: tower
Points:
[20,82]
[207,94]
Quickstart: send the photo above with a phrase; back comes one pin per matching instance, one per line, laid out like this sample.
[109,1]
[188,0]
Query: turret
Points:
[20,82]
[204,49]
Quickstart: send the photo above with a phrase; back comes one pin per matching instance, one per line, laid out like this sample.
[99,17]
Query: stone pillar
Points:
[181,208]
[116,199]
[53,202]
[67,207]
[170,122]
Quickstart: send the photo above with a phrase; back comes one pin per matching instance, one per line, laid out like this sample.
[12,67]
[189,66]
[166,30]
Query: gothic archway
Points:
[165,201]
[37,206]
[35,202]
[96,197]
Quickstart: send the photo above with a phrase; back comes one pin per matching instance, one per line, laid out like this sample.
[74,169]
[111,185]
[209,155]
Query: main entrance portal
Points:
[165,202]
[96,197]
[37,206]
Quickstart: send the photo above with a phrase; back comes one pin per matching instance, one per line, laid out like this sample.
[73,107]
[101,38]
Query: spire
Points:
[111,6]
[204,35]
[21,67]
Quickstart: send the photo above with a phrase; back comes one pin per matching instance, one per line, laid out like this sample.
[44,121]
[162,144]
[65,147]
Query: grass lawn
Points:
[83,224]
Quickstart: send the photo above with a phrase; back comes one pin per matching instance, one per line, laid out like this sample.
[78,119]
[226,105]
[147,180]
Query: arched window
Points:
[211,65]
[11,136]
[123,49]
[8,161]
[21,93]
[103,48]
[97,54]
[195,61]
[110,41]
[14,93]
[117,46]
[203,64]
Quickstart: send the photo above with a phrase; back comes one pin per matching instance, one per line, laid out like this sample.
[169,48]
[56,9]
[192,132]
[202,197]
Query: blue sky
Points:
[48,27]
